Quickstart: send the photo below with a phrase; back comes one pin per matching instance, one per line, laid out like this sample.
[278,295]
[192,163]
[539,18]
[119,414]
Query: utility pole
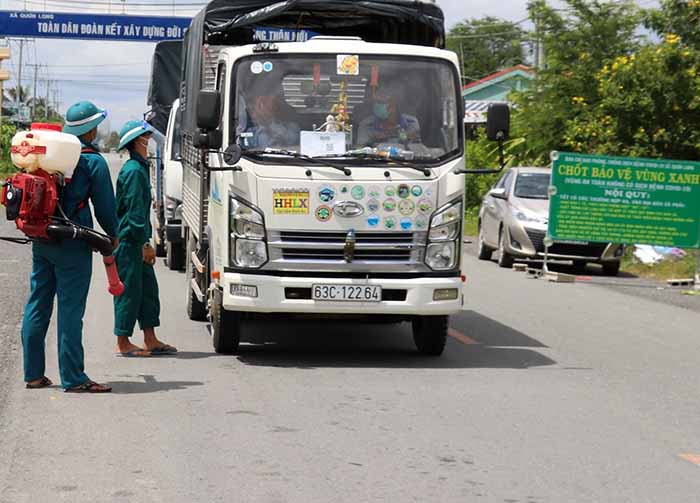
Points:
[46,103]
[18,94]
[34,97]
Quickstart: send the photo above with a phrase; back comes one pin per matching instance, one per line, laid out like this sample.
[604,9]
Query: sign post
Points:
[625,200]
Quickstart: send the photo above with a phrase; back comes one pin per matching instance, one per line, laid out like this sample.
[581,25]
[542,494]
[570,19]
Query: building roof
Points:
[494,78]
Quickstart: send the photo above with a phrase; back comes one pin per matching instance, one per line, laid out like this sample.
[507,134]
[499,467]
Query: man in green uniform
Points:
[64,269]
[135,257]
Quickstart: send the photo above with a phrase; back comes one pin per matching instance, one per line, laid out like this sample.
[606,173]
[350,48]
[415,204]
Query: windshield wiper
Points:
[296,155]
[378,157]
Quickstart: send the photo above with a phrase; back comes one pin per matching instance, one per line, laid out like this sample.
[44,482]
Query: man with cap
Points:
[135,256]
[63,269]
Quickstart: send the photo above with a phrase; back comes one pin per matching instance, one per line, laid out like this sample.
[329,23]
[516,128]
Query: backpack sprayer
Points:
[31,197]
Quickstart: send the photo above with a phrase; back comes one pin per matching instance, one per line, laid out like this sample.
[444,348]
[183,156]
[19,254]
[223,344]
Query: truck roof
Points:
[237,22]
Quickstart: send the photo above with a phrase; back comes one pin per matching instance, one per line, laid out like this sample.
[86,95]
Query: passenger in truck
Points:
[268,122]
[387,124]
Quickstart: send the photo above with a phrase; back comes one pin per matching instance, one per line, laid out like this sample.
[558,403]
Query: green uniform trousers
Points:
[140,298]
[59,270]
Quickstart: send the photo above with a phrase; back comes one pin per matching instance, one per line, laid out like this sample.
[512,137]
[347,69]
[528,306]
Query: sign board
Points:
[315,143]
[91,26]
[624,200]
[282,35]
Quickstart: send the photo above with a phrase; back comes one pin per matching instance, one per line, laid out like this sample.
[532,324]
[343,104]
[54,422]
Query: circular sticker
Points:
[373,220]
[421,223]
[267,66]
[389,205]
[406,224]
[425,206]
[323,213]
[326,194]
[373,205]
[429,192]
[358,192]
[256,67]
[373,191]
[389,191]
[404,191]
[344,189]
[407,207]
[416,190]
[389,222]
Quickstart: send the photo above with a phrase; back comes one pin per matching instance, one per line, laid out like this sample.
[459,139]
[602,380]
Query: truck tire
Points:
[174,256]
[196,310]
[430,334]
[225,326]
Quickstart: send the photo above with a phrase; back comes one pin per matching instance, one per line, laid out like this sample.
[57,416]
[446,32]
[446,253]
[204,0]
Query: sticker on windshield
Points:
[417,190]
[326,194]
[373,205]
[373,220]
[358,192]
[348,64]
[406,224]
[425,206]
[406,207]
[290,202]
[404,191]
[267,66]
[323,213]
[389,205]
[256,67]
[390,222]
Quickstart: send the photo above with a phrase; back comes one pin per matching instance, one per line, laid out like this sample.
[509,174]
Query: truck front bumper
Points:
[282,294]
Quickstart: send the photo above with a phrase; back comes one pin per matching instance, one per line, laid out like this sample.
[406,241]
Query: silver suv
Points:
[513,220]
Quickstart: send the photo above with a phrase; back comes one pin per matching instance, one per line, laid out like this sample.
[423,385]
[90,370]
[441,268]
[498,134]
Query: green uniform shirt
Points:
[134,201]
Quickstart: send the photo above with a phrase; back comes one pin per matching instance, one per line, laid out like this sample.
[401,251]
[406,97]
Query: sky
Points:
[115,75]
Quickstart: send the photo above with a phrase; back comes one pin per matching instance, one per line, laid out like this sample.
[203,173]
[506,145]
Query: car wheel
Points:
[225,326]
[430,334]
[611,268]
[485,252]
[505,259]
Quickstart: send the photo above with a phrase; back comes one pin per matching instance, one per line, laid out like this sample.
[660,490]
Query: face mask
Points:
[381,111]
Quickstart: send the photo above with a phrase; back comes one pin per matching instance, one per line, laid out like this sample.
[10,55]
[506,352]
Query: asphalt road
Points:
[546,393]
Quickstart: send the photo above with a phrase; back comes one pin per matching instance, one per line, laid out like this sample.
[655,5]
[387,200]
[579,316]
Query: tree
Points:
[580,40]
[486,45]
[112,141]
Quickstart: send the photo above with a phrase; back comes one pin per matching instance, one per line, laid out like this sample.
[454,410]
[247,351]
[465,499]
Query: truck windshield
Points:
[330,105]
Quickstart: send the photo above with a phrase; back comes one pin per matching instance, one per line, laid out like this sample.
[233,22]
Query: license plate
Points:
[347,293]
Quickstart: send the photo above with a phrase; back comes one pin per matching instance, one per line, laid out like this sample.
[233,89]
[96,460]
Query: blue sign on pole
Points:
[91,26]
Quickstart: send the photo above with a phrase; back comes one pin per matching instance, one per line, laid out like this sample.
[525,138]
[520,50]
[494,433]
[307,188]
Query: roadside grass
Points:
[666,269]
[471,222]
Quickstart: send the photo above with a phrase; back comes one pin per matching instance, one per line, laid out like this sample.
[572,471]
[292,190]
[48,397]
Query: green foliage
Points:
[579,40]
[7,131]
[680,17]
[487,44]
[112,141]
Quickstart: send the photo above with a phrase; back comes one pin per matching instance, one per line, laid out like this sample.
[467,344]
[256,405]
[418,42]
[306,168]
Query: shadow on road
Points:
[310,345]
[491,332]
[149,385]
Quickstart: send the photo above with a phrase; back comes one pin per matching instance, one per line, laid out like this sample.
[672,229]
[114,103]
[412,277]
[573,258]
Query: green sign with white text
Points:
[624,200]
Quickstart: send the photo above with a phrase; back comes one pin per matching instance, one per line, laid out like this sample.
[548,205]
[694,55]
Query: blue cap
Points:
[132,130]
[83,117]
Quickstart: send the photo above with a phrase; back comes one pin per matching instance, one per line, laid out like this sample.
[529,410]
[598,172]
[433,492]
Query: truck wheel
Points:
[505,259]
[430,334]
[196,310]
[484,252]
[225,326]
[174,256]
[611,268]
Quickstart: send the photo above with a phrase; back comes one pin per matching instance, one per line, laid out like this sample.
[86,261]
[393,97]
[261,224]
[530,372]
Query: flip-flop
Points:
[44,382]
[165,349]
[134,353]
[89,387]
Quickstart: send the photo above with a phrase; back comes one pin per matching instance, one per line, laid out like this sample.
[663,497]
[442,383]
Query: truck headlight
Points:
[443,248]
[441,255]
[250,253]
[247,243]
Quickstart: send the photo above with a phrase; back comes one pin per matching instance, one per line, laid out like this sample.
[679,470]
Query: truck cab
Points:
[172,191]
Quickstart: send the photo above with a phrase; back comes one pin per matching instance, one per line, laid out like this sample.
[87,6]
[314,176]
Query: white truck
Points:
[325,177]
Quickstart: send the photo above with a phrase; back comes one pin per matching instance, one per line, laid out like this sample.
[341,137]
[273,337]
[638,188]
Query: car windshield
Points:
[532,185]
[331,105]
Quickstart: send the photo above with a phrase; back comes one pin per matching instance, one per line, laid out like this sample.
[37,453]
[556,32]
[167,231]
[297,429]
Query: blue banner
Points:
[91,26]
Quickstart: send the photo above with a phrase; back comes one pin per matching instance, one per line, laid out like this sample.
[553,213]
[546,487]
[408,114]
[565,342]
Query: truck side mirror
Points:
[208,109]
[498,122]
[209,140]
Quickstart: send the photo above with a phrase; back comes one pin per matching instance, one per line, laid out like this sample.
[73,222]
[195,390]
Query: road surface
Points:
[546,393]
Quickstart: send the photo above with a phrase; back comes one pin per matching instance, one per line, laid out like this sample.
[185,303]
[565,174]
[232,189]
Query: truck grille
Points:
[300,248]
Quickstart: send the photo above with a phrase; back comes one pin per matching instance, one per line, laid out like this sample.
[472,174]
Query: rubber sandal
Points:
[135,353]
[89,387]
[165,349]
[44,382]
